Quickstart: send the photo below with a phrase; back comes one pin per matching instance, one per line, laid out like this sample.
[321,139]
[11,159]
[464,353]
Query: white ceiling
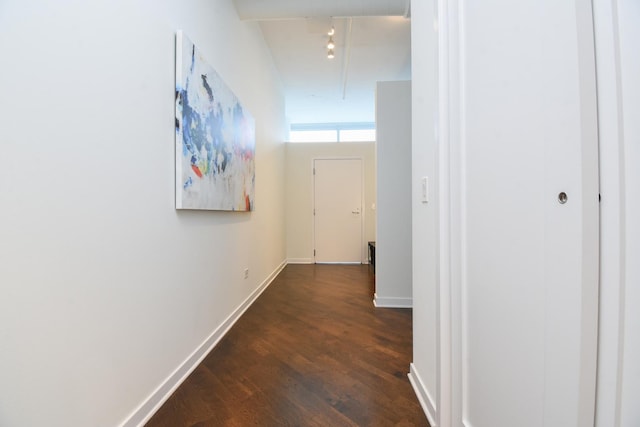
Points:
[372,44]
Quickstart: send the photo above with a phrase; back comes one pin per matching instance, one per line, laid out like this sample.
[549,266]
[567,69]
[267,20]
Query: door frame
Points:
[614,187]
[362,203]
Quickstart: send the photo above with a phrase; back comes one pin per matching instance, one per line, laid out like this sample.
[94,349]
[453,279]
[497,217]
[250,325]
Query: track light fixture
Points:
[330,44]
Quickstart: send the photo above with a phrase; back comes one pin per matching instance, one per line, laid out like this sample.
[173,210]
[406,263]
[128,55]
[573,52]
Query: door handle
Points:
[357,211]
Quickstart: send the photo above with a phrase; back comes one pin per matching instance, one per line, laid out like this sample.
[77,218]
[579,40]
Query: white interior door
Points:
[525,302]
[338,210]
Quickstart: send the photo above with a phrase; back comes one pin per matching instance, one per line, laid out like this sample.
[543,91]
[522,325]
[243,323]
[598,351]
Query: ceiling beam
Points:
[347,58]
[261,10]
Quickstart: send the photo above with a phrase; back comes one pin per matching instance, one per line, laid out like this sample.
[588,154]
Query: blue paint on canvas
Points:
[215,138]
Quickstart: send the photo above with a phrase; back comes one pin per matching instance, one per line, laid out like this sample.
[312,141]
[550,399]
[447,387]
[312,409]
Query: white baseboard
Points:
[300,261]
[150,406]
[392,302]
[427,403]
[310,261]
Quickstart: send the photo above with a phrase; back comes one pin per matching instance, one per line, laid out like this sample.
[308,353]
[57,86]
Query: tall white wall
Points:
[425,367]
[299,192]
[393,228]
[105,289]
[618,63]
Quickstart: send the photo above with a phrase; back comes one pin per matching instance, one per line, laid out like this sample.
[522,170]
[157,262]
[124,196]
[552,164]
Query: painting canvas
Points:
[215,138]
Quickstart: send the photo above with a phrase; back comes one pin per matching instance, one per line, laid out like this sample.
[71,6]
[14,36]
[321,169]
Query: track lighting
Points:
[330,44]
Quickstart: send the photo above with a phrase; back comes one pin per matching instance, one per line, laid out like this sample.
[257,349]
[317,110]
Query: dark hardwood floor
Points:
[311,351]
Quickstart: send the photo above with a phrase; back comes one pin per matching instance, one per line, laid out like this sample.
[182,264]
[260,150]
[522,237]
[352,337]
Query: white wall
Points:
[393,228]
[299,192]
[629,33]
[105,288]
[424,368]
[618,65]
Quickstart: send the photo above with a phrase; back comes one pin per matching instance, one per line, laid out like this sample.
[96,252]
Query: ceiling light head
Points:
[331,44]
[330,54]
[332,31]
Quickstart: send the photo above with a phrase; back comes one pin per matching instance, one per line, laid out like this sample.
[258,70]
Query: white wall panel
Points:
[629,34]
[425,370]
[393,228]
[106,289]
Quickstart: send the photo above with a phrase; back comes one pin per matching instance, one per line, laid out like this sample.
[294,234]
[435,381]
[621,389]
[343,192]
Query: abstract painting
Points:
[215,138]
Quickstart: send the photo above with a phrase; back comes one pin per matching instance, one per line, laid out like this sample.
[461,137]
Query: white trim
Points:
[458,260]
[427,403]
[299,260]
[392,302]
[448,80]
[338,263]
[159,396]
[612,215]
[313,209]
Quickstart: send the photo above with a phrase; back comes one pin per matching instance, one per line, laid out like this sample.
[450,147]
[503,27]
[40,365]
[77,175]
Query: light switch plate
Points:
[424,181]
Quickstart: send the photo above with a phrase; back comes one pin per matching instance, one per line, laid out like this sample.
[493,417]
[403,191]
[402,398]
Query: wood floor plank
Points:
[311,351]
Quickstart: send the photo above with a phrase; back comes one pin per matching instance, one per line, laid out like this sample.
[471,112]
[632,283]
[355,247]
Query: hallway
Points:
[311,351]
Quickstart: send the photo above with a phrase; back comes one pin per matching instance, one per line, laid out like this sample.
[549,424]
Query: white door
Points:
[338,210]
[525,216]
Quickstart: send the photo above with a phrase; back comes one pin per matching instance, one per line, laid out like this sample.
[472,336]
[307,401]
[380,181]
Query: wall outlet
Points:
[246,273]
